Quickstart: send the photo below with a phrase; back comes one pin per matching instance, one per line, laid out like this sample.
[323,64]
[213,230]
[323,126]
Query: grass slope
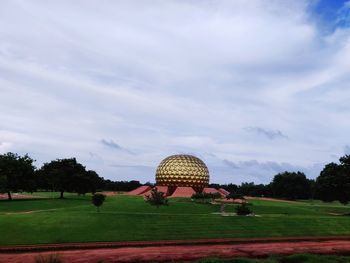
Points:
[122,218]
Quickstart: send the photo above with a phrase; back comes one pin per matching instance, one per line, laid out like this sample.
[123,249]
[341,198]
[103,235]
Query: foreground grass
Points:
[298,258]
[123,218]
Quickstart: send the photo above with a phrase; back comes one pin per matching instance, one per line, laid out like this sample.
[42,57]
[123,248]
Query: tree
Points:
[235,195]
[64,174]
[16,173]
[205,197]
[156,198]
[243,209]
[97,200]
[291,185]
[333,184]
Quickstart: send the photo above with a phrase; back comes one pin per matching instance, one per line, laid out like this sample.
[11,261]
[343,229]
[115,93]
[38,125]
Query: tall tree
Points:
[63,174]
[291,185]
[16,173]
[333,184]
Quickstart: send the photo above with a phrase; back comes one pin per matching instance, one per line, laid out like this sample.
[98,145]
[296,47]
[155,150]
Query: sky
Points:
[253,88]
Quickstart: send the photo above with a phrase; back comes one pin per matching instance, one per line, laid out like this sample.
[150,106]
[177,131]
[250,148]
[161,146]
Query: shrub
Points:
[205,197]
[243,209]
[97,200]
[234,195]
[156,198]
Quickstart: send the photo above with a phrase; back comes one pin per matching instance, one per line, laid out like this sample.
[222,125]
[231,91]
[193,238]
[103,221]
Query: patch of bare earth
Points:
[19,196]
[188,251]
[269,199]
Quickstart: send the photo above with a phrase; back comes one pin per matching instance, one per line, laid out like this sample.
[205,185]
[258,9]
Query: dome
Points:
[182,170]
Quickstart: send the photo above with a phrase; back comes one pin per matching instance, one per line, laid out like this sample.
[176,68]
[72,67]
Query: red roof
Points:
[210,190]
[163,189]
[222,190]
[183,192]
[140,190]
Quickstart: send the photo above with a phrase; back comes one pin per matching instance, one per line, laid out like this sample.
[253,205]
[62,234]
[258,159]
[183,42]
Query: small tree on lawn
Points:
[243,209]
[97,200]
[156,198]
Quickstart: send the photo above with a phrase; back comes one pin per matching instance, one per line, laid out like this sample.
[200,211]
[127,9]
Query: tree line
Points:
[18,174]
[333,184]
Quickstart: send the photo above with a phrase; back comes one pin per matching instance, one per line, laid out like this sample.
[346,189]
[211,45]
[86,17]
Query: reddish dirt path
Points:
[19,196]
[172,252]
[270,199]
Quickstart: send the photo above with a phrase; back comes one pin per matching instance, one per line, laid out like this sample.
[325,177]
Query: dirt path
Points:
[188,251]
[20,196]
[270,199]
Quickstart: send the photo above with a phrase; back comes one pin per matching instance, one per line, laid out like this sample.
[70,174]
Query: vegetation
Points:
[97,200]
[333,184]
[16,173]
[291,186]
[205,197]
[69,175]
[156,198]
[243,209]
[127,218]
[235,195]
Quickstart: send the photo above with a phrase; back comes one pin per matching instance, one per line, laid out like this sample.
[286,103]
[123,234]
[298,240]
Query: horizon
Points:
[251,88]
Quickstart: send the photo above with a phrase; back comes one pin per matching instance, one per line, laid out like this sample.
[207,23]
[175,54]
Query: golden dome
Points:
[182,170]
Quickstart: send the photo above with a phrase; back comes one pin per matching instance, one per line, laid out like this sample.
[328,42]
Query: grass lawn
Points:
[122,218]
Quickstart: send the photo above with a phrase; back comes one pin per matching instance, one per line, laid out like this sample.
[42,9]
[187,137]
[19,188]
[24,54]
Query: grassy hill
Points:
[122,218]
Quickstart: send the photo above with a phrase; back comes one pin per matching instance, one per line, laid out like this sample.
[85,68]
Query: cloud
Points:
[263,172]
[212,79]
[270,134]
[113,145]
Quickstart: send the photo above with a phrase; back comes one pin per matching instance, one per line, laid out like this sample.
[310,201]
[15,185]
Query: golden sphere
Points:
[182,170]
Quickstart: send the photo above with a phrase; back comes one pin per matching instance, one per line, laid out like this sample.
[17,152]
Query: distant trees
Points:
[235,195]
[333,184]
[65,175]
[109,185]
[16,173]
[205,197]
[291,185]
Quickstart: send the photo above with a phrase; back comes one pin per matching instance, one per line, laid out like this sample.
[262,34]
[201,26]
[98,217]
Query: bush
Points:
[243,209]
[97,200]
[234,195]
[205,197]
[156,198]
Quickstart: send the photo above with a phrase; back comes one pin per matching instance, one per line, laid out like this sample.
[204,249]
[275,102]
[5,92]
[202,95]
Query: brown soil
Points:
[269,199]
[185,250]
[19,196]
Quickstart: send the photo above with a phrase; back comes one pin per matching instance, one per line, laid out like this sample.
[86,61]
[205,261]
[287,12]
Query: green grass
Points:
[122,218]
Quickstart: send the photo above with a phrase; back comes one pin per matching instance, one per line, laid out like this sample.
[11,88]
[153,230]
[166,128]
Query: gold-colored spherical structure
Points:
[182,170]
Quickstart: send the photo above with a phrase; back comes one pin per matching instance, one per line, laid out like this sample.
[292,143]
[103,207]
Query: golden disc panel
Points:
[182,170]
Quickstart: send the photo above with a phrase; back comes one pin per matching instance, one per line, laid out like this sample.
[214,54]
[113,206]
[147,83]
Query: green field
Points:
[122,218]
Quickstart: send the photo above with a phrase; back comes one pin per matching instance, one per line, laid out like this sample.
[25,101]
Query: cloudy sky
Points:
[251,87]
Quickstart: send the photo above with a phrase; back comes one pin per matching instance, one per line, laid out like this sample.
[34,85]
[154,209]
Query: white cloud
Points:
[165,77]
